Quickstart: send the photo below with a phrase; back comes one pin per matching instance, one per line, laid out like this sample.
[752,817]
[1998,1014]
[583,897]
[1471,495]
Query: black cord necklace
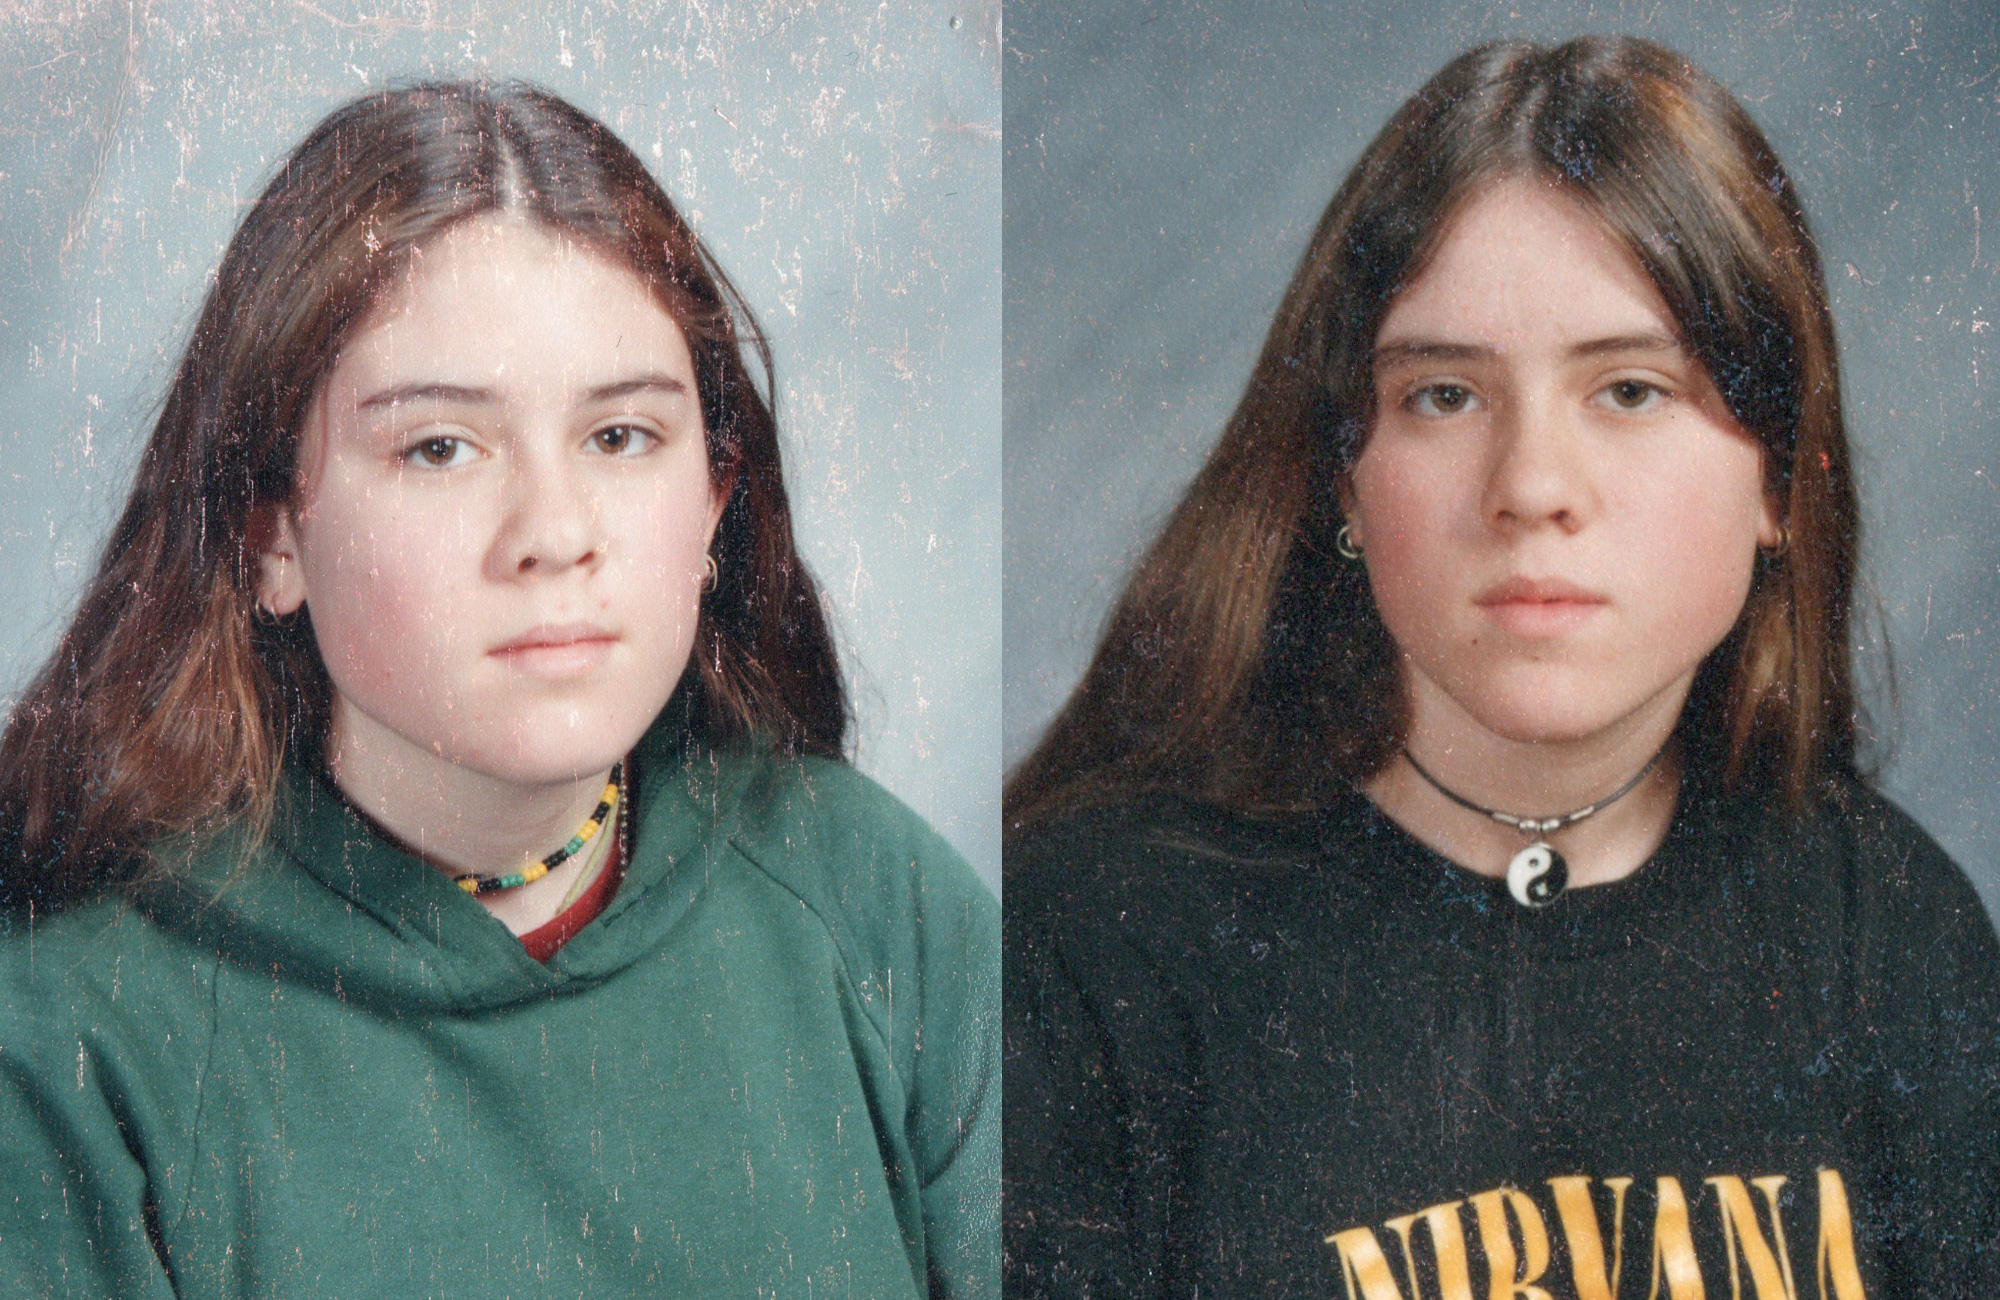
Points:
[1537,875]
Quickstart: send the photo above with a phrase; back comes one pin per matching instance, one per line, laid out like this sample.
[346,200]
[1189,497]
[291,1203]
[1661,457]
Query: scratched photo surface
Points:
[841,160]
[1166,161]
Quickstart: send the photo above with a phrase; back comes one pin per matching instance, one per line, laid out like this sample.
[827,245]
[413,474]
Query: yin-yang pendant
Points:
[1538,875]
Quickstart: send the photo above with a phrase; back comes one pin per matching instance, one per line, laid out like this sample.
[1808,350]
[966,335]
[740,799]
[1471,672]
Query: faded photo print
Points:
[499,671]
[1502,554]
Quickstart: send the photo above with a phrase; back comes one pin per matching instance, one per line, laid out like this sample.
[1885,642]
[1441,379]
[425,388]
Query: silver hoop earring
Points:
[712,576]
[1343,541]
[269,617]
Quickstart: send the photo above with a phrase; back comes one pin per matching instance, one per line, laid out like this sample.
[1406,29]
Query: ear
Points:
[281,580]
[1343,492]
[1771,532]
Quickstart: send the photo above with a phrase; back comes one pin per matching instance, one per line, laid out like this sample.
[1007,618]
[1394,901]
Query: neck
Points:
[460,820]
[1537,779]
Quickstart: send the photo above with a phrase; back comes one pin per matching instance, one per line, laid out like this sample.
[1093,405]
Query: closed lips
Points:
[554,635]
[1537,591]
[1539,608]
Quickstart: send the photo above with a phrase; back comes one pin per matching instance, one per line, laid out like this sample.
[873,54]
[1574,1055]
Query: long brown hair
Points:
[1246,663]
[167,707]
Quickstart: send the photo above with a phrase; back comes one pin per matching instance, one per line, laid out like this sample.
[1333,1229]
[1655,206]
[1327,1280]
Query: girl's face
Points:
[1560,517]
[503,512]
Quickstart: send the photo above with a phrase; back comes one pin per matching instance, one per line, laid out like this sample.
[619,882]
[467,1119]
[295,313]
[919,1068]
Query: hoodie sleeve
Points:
[919,935]
[955,1110]
[95,1125]
[74,1211]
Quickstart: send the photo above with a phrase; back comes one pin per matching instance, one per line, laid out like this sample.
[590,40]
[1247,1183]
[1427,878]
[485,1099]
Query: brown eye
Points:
[1441,399]
[438,453]
[622,439]
[1632,394]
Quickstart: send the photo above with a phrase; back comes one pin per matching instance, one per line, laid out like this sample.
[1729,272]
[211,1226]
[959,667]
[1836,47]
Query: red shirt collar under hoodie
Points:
[546,939]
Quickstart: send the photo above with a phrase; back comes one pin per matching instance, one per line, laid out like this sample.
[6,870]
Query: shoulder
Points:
[1907,859]
[916,931]
[868,866]
[1904,894]
[1147,837]
[827,831]
[1885,868]
[101,980]
[1151,873]
[1856,889]
[84,954]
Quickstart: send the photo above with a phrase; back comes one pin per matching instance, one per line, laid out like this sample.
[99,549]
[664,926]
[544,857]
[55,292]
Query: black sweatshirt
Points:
[1310,1057]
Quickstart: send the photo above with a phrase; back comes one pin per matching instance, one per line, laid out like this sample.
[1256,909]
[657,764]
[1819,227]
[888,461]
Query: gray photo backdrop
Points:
[1165,163]
[842,160]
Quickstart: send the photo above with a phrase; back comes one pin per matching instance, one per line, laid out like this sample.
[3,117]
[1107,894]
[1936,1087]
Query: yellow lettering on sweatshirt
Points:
[1836,1241]
[1503,1281]
[1585,1239]
[1770,1271]
[1673,1246]
[1364,1266]
[1448,1240]
[1517,1247]
[1401,1227]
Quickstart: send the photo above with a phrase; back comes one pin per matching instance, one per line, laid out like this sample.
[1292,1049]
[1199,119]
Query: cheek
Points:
[1406,521]
[385,587]
[1700,562]
[664,531]
[1694,537]
[673,519]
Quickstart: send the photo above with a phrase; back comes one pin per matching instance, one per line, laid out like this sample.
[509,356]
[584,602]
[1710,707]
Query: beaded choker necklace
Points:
[1537,875]
[614,790]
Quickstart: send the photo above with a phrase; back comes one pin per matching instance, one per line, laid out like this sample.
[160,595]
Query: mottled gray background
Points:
[842,159]
[1165,163]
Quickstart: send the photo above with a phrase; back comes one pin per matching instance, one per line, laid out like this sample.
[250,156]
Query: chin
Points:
[532,771]
[1544,711]
[557,753]
[1542,730]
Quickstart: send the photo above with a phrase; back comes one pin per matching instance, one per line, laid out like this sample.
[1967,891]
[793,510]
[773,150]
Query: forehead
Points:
[1523,267]
[501,303]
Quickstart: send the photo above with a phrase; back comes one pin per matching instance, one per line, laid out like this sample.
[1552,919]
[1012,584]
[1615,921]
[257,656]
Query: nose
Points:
[1537,472]
[551,523]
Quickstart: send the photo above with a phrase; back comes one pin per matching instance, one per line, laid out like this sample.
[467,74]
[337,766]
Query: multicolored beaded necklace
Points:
[475,884]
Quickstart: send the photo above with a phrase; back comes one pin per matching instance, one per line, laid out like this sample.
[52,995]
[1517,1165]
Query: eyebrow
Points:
[464,395]
[1415,350]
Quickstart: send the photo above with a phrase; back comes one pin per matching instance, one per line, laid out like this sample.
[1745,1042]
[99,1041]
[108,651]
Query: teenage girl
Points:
[429,864]
[1452,877]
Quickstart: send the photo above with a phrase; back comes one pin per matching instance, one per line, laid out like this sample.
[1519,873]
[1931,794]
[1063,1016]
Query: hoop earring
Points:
[1343,541]
[269,617]
[712,575]
[1784,546]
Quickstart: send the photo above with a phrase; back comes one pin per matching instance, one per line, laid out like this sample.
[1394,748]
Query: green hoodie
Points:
[770,1068]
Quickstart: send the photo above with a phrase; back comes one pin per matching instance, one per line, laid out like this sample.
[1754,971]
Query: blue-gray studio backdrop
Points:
[842,160]
[1166,161]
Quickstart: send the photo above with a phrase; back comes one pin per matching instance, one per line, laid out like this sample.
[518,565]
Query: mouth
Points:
[1539,606]
[557,651]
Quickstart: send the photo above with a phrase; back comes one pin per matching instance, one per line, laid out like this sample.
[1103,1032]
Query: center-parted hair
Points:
[167,707]
[1245,662]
